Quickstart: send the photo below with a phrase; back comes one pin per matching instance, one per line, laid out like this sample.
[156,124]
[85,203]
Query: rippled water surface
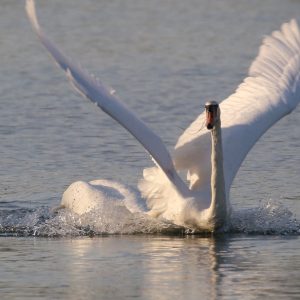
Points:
[164,59]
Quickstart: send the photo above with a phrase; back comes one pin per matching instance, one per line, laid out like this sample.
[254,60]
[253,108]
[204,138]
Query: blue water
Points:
[165,59]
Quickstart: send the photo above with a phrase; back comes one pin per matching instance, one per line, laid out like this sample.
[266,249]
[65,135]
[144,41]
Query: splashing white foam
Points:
[115,218]
[267,218]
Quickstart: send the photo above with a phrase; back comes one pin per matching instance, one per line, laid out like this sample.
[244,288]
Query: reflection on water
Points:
[151,267]
[184,267]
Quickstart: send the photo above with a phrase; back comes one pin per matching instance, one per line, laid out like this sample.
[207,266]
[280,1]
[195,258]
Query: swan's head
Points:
[212,114]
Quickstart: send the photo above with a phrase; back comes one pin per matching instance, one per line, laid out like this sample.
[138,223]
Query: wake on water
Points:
[114,218]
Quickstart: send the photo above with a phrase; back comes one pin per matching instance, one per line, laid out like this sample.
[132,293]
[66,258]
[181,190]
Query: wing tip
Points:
[277,48]
[31,13]
[293,23]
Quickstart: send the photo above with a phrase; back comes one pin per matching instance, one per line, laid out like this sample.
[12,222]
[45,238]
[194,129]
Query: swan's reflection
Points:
[147,267]
[188,268]
[160,267]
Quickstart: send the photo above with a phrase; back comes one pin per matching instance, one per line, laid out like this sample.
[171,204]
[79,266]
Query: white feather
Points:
[271,91]
[95,91]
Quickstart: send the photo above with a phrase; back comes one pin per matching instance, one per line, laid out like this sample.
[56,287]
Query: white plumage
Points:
[270,92]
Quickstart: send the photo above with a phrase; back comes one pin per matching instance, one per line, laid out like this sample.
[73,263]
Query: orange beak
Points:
[210,119]
[211,108]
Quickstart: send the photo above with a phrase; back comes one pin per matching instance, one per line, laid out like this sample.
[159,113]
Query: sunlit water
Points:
[165,59]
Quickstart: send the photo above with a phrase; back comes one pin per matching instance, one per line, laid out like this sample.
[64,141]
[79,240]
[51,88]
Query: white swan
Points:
[271,91]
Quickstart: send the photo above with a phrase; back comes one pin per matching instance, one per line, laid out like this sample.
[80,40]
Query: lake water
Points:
[165,59]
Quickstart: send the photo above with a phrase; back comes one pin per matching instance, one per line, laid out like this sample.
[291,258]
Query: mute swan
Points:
[271,91]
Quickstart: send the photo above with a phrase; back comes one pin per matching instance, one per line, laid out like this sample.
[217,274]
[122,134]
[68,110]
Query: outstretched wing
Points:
[271,91]
[95,91]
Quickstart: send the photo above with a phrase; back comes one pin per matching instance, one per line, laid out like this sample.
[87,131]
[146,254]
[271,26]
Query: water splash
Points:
[267,218]
[116,219]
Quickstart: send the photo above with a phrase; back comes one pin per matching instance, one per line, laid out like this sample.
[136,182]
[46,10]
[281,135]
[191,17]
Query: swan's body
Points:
[97,192]
[271,91]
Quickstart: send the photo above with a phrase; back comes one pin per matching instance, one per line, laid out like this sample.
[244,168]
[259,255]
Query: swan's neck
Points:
[218,209]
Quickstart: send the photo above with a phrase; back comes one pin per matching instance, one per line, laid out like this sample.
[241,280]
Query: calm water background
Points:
[165,59]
